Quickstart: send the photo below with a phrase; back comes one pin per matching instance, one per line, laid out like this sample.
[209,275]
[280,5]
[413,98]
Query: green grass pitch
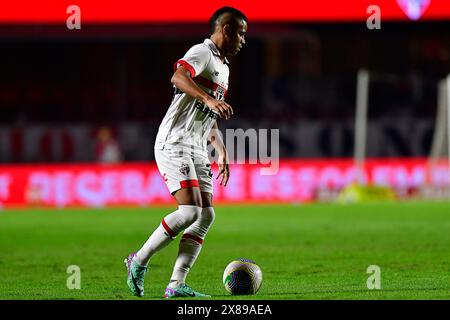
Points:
[305,251]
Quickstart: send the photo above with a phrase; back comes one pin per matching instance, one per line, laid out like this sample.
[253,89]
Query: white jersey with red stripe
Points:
[188,122]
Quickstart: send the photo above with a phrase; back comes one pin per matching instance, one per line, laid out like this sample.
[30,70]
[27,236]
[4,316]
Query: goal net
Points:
[437,184]
[436,168]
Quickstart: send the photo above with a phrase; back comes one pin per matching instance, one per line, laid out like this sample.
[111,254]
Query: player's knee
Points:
[206,220]
[200,228]
[208,216]
[189,214]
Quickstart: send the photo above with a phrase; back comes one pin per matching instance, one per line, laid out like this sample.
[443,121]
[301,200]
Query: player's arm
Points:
[182,80]
[216,140]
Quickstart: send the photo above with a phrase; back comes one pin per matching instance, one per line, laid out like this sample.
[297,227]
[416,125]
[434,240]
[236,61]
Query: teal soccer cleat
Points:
[136,275]
[183,291]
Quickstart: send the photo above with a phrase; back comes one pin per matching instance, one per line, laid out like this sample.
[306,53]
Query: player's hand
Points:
[224,110]
[224,169]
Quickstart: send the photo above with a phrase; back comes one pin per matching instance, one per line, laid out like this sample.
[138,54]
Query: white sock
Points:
[170,226]
[158,240]
[188,252]
[190,246]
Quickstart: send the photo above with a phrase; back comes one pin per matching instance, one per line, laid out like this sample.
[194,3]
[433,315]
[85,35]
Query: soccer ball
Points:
[242,276]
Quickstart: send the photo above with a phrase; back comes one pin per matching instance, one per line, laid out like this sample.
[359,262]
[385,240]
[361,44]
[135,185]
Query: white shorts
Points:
[184,170]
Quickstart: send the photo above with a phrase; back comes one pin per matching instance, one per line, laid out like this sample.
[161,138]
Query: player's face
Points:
[236,38]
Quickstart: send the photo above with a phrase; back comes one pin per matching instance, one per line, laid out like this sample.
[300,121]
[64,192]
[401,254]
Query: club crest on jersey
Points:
[414,9]
[184,169]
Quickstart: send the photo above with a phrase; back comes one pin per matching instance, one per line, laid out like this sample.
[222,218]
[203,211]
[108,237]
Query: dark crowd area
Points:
[285,72]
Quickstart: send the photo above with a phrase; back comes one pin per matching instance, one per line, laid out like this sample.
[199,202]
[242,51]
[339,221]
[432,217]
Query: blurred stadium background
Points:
[71,99]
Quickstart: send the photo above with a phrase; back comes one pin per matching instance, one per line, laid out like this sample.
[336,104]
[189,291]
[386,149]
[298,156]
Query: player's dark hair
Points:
[234,12]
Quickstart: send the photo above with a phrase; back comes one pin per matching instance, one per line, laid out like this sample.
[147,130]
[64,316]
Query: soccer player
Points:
[200,81]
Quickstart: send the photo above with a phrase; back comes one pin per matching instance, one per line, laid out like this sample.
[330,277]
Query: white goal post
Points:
[362,101]
[440,149]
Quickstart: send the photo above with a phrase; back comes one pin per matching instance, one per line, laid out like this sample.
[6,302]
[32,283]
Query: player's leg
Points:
[171,225]
[185,189]
[192,240]
[180,177]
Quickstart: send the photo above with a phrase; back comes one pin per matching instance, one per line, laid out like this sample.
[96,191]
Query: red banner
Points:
[148,11]
[141,184]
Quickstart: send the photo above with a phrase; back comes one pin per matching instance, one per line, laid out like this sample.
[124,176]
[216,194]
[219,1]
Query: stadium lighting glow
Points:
[143,11]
